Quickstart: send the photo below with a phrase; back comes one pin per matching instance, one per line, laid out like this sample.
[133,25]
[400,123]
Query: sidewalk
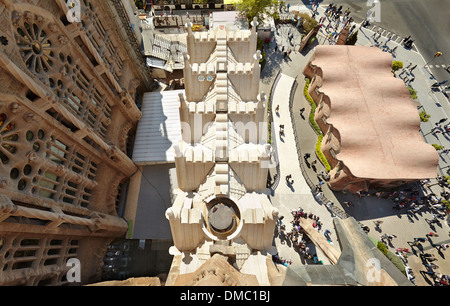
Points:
[287,197]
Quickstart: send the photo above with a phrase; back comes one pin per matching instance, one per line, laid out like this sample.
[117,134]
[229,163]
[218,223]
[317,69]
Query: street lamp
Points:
[437,54]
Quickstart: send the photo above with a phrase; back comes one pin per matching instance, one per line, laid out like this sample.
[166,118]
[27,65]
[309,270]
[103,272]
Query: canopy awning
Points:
[158,129]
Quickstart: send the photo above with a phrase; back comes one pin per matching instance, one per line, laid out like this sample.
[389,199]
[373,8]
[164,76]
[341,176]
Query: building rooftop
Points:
[374,114]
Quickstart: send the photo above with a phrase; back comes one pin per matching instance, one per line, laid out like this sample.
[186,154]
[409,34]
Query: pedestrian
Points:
[393,51]
[442,246]
[377,223]
[443,120]
[431,234]
[277,108]
[301,111]
[348,203]
[412,68]
[419,239]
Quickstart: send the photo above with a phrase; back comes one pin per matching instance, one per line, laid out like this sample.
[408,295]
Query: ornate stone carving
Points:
[4,182]
[14,107]
[28,117]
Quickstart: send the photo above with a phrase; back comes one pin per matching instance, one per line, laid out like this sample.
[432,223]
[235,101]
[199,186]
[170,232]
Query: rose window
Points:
[35,47]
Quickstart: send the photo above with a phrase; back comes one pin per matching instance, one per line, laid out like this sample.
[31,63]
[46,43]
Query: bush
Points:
[437,147]
[382,247]
[396,65]
[396,261]
[313,108]
[316,128]
[413,92]
[309,23]
[424,116]
[320,155]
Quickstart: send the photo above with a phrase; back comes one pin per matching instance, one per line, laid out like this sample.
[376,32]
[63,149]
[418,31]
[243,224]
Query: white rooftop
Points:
[158,129]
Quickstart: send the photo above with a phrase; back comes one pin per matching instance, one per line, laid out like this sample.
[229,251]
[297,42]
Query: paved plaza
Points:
[283,78]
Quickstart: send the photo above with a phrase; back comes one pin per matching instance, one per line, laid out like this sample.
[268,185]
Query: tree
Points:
[259,9]
[396,65]
[309,23]
[351,40]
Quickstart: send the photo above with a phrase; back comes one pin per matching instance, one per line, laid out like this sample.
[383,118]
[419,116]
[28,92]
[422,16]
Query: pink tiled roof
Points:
[374,114]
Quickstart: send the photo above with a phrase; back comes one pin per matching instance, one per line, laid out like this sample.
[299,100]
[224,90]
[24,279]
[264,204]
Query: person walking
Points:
[419,240]
[377,223]
[442,246]
[431,234]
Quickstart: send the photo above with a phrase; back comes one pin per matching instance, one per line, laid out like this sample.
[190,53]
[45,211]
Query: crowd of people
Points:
[411,200]
[297,236]
[336,20]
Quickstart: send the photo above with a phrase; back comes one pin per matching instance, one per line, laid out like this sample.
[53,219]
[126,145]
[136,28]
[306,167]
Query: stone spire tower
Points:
[223,160]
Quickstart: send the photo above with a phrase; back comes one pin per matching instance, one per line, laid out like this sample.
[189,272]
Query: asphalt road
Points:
[427,22]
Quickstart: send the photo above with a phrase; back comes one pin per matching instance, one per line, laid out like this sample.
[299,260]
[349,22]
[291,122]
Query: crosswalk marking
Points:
[438,66]
[394,37]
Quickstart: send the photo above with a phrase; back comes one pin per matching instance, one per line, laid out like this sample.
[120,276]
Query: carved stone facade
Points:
[70,77]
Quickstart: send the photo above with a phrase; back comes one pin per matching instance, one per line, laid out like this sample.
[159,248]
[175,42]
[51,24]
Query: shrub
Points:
[320,155]
[382,247]
[309,23]
[313,108]
[413,92]
[424,116]
[446,203]
[437,147]
[396,65]
[316,128]
[396,261]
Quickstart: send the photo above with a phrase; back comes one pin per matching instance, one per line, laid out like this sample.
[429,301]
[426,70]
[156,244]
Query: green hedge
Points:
[392,257]
[413,92]
[437,147]
[316,127]
[320,155]
[313,108]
